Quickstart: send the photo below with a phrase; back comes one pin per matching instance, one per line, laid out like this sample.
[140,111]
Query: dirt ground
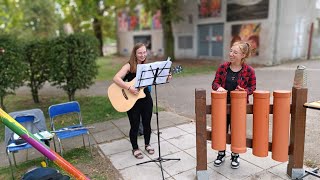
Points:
[99,168]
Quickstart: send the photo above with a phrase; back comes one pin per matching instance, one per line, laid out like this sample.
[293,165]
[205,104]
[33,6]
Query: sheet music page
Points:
[148,70]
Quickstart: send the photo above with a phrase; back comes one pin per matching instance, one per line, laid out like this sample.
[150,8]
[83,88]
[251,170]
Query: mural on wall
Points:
[238,10]
[209,8]
[138,19]
[248,33]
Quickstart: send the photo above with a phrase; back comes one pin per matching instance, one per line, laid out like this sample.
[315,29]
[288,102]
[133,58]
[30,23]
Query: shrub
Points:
[73,62]
[38,69]
[12,68]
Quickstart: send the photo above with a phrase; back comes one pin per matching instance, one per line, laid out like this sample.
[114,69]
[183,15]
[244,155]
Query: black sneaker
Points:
[220,158]
[235,162]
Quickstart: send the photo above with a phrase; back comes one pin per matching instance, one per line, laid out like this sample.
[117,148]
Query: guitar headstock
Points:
[176,69]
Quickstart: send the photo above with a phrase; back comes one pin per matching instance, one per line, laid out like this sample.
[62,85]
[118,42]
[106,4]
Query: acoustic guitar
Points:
[122,100]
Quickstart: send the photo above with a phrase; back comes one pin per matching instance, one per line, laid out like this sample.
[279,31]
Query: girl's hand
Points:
[133,90]
[221,89]
[169,77]
[240,88]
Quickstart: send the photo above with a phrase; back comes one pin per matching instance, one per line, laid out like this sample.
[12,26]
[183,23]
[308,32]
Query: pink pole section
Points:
[40,146]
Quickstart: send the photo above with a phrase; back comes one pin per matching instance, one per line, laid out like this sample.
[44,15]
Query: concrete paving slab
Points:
[165,147]
[114,147]
[102,126]
[280,170]
[191,175]
[143,172]
[171,132]
[264,175]
[245,170]
[163,123]
[184,142]
[188,127]
[174,167]
[263,162]
[126,159]
[211,154]
[108,135]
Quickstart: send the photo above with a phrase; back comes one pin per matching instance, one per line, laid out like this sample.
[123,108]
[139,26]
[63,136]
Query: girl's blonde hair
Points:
[245,48]
[133,58]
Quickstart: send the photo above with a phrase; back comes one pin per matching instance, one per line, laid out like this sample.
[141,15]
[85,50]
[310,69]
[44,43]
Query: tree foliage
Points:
[35,55]
[95,16]
[73,62]
[169,14]
[12,68]
[29,19]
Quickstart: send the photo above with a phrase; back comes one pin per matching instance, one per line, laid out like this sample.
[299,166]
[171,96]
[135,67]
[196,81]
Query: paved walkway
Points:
[178,131]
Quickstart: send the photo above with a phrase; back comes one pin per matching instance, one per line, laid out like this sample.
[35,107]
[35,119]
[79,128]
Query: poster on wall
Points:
[238,10]
[249,33]
[209,8]
[138,19]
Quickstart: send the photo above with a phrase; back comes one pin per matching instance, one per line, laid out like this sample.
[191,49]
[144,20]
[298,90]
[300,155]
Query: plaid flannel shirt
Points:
[246,78]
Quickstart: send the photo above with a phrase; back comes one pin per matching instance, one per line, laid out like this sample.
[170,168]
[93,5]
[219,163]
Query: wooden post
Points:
[297,129]
[201,131]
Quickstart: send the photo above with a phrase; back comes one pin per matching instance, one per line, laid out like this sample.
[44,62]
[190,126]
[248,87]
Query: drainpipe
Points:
[276,34]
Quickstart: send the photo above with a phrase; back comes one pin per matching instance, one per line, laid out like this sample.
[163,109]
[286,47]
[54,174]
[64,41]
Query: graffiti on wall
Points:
[248,33]
[238,10]
[209,8]
[138,19]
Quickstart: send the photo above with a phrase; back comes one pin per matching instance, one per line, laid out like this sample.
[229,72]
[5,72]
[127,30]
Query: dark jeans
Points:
[142,108]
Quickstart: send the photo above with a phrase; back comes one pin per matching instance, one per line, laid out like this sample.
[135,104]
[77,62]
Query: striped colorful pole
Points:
[16,127]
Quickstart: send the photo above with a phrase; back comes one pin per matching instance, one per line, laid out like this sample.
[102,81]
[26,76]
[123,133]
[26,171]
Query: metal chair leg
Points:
[84,144]
[89,144]
[61,148]
[11,168]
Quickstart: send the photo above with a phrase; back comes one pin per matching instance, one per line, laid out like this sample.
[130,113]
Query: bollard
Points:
[218,120]
[280,129]
[260,136]
[238,121]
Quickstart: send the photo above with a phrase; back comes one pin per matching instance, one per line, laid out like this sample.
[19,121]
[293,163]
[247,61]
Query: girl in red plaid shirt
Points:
[234,75]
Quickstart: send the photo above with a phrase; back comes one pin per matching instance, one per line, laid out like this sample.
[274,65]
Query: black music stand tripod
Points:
[159,159]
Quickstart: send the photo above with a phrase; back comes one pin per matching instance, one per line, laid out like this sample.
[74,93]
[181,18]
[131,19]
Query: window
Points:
[185,42]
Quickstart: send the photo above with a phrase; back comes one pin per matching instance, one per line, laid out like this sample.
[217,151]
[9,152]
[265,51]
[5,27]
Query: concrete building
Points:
[278,30]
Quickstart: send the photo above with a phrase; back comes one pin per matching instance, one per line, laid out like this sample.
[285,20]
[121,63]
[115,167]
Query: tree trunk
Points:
[71,95]
[35,94]
[97,27]
[168,39]
[2,103]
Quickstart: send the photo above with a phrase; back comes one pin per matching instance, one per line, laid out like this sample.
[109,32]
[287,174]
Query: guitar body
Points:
[121,99]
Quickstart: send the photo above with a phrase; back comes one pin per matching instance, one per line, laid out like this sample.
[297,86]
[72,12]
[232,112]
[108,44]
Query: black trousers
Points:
[142,108]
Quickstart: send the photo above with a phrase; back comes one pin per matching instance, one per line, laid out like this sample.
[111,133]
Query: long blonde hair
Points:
[133,58]
[244,48]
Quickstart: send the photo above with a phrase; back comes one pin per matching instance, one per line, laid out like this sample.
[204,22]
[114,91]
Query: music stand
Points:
[154,74]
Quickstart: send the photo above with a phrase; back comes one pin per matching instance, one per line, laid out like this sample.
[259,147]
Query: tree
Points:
[28,20]
[73,62]
[97,16]
[12,67]
[169,14]
[38,70]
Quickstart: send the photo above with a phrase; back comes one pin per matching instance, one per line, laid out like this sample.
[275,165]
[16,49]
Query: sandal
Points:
[137,154]
[149,149]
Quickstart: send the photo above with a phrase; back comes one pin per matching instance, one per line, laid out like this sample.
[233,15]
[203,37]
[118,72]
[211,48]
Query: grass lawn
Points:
[93,108]
[110,65]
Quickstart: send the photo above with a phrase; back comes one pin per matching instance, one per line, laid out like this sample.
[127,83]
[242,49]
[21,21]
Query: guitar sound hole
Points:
[124,94]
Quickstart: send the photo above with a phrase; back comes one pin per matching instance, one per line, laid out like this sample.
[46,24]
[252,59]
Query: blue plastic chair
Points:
[69,131]
[27,119]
